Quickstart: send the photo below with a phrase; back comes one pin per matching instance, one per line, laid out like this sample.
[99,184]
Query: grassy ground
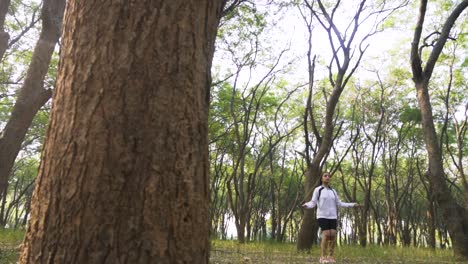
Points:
[223,252]
[272,253]
[9,245]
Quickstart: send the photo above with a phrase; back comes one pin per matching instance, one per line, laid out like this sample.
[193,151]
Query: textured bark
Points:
[431,225]
[454,214]
[32,95]
[308,231]
[124,174]
[4,36]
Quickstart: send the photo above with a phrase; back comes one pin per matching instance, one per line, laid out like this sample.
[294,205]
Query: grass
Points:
[275,253]
[10,239]
[230,251]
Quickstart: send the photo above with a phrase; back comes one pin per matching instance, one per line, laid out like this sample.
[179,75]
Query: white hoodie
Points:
[328,203]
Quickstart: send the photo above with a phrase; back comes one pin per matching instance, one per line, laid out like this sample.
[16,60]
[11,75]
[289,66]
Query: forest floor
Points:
[223,252]
[9,245]
[232,252]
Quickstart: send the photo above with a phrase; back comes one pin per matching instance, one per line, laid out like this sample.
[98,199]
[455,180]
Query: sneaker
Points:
[323,260]
[331,259]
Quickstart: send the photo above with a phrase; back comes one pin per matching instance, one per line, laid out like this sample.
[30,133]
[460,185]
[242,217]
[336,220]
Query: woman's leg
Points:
[324,244]
[332,241]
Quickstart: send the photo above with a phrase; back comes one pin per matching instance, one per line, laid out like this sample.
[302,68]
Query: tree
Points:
[455,215]
[15,206]
[33,94]
[124,173]
[285,193]
[249,103]
[347,47]
[371,144]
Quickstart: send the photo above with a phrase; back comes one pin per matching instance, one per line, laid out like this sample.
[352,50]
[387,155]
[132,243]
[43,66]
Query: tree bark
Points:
[307,235]
[32,95]
[431,241]
[453,213]
[4,36]
[124,174]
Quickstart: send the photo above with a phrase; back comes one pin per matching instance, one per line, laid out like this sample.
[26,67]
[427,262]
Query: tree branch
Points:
[444,35]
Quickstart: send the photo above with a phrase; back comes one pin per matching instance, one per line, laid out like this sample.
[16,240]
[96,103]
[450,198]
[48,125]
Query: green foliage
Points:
[390,23]
[26,170]
[446,5]
[401,75]
[37,130]
[52,71]
[5,108]
[410,114]
[242,23]
[21,16]
[465,63]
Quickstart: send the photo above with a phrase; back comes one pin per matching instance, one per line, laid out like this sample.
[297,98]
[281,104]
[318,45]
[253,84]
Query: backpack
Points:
[320,192]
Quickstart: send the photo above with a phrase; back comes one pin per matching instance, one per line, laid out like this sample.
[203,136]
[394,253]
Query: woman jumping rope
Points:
[327,201]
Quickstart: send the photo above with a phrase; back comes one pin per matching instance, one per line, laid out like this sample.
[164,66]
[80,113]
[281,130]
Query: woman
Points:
[328,202]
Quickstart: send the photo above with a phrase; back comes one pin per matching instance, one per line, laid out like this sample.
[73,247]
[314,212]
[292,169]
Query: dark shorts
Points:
[326,224]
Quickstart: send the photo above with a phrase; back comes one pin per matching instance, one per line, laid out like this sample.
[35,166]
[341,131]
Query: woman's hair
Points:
[323,174]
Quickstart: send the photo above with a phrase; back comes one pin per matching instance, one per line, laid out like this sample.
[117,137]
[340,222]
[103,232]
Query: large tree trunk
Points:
[307,235]
[124,173]
[32,95]
[455,215]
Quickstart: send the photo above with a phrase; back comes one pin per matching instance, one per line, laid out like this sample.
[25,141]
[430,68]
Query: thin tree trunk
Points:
[3,215]
[431,224]
[124,174]
[275,219]
[32,95]
[27,210]
[4,36]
